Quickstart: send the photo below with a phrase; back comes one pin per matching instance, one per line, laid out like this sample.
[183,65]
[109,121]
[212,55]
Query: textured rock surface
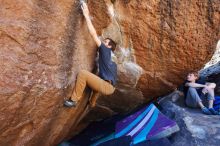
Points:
[169,38]
[213,66]
[44,43]
[216,57]
[196,129]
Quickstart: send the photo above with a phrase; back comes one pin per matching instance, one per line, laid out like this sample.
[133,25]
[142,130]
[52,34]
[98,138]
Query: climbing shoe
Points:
[206,111]
[213,111]
[70,103]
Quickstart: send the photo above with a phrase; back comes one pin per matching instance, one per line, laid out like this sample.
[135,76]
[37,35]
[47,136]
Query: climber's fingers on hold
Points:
[85,9]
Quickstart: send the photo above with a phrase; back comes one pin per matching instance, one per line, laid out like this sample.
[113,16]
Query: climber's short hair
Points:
[111,43]
[196,73]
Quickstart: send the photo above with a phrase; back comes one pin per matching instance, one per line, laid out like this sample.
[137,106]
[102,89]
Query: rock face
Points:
[169,38]
[44,43]
[213,66]
[196,129]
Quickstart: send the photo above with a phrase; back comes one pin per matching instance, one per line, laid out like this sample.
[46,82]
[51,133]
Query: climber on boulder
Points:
[197,91]
[103,83]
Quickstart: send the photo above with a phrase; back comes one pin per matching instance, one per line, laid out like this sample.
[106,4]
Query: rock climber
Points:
[198,92]
[105,82]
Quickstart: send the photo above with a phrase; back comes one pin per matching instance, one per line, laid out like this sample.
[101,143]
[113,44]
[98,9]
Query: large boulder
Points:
[168,37]
[44,43]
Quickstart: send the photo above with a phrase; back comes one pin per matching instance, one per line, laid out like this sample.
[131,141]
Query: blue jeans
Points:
[193,98]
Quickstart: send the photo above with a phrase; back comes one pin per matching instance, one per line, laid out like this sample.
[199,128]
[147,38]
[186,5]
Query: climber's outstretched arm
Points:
[90,25]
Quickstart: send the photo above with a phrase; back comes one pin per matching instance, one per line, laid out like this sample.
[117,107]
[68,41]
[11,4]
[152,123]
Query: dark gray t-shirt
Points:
[107,68]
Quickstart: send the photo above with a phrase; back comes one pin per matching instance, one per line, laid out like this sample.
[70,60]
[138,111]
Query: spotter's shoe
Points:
[213,111]
[206,111]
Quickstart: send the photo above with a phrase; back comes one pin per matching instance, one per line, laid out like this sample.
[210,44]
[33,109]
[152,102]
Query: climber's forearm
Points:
[90,26]
[195,85]
[92,31]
